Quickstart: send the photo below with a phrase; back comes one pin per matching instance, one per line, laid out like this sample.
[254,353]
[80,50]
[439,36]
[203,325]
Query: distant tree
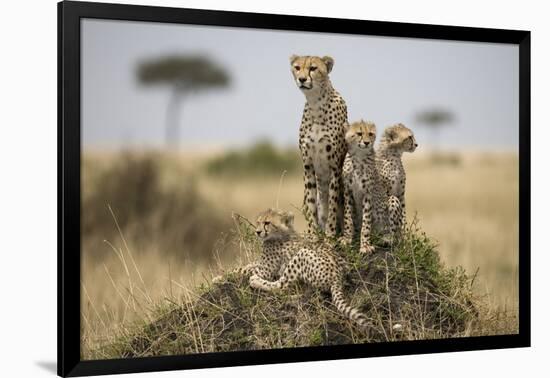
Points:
[435,119]
[184,75]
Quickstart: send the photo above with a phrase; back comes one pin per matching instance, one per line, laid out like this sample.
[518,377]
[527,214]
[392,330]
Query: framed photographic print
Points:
[239,188]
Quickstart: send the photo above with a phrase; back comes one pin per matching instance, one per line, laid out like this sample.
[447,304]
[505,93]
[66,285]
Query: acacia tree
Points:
[435,119]
[184,75]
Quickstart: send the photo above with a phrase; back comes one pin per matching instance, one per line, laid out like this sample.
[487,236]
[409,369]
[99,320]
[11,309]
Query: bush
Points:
[174,219]
[260,159]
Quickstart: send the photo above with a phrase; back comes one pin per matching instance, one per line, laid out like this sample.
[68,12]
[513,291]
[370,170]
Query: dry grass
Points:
[406,287]
[470,208]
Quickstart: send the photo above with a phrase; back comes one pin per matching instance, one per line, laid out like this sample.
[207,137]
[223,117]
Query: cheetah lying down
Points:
[287,258]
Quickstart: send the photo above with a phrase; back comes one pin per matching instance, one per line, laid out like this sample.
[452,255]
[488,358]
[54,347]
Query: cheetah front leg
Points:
[258,282]
[395,213]
[258,268]
[334,190]
[246,270]
[310,197]
[322,202]
[403,213]
[290,274]
[349,227]
[366,225]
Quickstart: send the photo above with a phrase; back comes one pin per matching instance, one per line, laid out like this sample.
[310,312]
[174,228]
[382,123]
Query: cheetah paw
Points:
[217,279]
[345,241]
[255,282]
[388,241]
[366,249]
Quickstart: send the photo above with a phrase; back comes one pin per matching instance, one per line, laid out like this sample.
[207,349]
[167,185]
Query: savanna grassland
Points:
[157,226]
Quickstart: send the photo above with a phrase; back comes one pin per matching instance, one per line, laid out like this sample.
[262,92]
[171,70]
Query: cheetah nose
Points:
[302,80]
[416,144]
[258,233]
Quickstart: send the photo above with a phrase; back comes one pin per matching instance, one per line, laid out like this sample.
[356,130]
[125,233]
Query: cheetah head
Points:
[400,138]
[360,137]
[310,72]
[274,224]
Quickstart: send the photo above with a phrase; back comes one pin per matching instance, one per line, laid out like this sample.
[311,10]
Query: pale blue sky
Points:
[386,80]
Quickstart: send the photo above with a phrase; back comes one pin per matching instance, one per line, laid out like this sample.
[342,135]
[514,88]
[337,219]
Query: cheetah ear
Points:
[293,58]
[288,219]
[329,62]
[391,134]
[346,127]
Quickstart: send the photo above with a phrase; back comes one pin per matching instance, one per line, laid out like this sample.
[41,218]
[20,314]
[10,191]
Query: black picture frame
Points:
[69,143]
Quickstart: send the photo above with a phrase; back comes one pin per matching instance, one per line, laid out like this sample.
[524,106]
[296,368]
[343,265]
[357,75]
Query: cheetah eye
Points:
[297,68]
[312,68]
[371,134]
[267,223]
[359,134]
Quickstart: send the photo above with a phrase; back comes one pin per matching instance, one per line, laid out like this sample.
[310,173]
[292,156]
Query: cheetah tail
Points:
[342,305]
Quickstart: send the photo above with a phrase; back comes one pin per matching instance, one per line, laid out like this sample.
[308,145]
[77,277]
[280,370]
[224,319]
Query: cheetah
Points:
[395,140]
[287,258]
[321,142]
[366,205]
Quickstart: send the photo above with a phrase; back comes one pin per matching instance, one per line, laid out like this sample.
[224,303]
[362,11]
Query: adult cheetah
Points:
[321,141]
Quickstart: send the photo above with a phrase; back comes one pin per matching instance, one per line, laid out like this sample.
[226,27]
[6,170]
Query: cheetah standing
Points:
[366,205]
[287,258]
[395,140]
[321,141]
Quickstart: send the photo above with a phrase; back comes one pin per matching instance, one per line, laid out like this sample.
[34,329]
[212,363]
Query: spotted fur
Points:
[395,140]
[366,206]
[287,258]
[321,141]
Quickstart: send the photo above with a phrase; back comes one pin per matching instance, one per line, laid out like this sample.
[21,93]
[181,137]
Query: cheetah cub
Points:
[287,258]
[321,142]
[395,140]
[364,200]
